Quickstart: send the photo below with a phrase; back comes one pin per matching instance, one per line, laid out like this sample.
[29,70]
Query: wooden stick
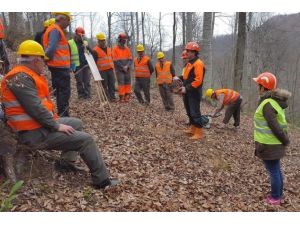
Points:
[105,96]
[100,99]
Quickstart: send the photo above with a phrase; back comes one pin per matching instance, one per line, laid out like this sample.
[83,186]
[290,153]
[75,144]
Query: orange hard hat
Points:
[267,80]
[193,46]
[122,36]
[184,55]
[80,31]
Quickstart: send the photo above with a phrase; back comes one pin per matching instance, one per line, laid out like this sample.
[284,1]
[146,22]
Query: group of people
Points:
[30,112]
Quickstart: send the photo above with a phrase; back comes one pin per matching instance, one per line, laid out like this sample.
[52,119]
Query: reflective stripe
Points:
[122,58]
[62,47]
[260,123]
[19,117]
[142,72]
[265,124]
[263,131]
[143,67]
[61,58]
[105,58]
[105,64]
[11,104]
[164,73]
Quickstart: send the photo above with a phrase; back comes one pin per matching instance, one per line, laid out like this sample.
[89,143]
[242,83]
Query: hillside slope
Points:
[159,168]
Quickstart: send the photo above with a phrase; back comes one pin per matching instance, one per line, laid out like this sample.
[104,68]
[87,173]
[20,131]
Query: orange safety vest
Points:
[229,95]
[121,53]
[104,61]
[61,56]
[163,74]
[141,68]
[17,117]
[1,29]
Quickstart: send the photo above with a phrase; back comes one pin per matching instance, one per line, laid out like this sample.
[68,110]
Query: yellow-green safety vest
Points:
[74,53]
[262,132]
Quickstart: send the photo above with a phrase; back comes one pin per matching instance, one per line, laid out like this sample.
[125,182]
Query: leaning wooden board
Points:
[93,66]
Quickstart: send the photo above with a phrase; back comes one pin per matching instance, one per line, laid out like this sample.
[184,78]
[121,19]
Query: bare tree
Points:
[183,29]
[152,38]
[132,36]
[16,31]
[94,21]
[189,26]
[109,18]
[137,28]
[143,27]
[207,50]
[240,51]
[160,35]
[174,38]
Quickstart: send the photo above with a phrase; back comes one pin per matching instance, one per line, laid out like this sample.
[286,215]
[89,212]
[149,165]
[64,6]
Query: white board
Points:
[93,66]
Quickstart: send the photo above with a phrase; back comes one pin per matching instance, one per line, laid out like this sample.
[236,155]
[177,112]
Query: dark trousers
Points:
[62,84]
[142,84]
[234,110]
[109,83]
[191,102]
[276,178]
[83,83]
[78,143]
[166,96]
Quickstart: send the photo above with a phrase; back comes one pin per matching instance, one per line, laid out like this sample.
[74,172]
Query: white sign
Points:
[93,66]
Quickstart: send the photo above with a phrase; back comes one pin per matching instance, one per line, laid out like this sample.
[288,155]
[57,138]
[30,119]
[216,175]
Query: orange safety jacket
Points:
[141,68]
[195,78]
[163,74]
[61,58]
[104,60]
[121,53]
[1,29]
[229,95]
[17,117]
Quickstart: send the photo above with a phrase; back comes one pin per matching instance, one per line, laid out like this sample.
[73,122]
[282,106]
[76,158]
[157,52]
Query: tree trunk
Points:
[240,51]
[4,19]
[16,32]
[189,26]
[132,38]
[137,28]
[109,15]
[159,29]
[207,51]
[183,30]
[143,27]
[174,39]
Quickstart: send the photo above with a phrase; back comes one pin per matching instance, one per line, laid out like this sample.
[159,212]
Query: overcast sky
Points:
[222,24]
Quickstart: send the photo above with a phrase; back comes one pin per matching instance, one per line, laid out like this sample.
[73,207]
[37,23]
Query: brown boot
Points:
[190,130]
[122,98]
[198,134]
[127,97]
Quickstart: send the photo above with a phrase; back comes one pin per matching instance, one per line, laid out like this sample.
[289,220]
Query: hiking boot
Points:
[127,97]
[198,134]
[107,183]
[64,166]
[272,201]
[122,98]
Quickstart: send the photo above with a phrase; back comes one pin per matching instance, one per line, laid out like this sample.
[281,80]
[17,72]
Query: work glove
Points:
[183,90]
[176,78]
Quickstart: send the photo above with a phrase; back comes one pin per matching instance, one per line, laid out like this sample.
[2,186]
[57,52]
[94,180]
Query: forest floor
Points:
[160,169]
